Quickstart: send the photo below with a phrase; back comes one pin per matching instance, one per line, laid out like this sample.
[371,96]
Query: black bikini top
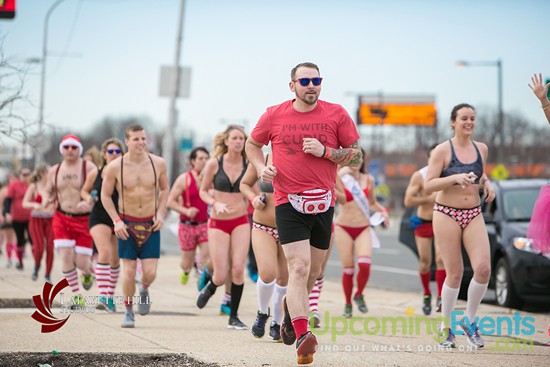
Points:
[455,166]
[222,182]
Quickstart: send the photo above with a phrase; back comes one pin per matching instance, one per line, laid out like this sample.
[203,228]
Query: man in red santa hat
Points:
[70,222]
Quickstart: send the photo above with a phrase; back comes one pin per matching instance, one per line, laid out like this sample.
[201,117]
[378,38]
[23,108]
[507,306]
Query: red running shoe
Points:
[306,347]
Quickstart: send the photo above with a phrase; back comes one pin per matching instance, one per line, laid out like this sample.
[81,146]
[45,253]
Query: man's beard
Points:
[310,99]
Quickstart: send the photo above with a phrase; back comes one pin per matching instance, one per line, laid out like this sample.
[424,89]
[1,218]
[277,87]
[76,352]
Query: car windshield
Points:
[518,204]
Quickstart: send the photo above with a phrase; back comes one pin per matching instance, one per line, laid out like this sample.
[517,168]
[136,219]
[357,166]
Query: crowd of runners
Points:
[103,216]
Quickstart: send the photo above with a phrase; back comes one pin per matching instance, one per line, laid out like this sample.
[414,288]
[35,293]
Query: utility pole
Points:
[169,135]
[38,157]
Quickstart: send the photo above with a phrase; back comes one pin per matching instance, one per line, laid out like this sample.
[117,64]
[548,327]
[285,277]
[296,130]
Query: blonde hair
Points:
[106,144]
[39,172]
[95,155]
[220,148]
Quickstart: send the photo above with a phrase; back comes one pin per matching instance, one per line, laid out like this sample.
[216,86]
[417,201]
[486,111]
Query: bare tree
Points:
[13,125]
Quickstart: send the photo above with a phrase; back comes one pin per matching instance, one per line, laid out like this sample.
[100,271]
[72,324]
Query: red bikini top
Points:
[349,196]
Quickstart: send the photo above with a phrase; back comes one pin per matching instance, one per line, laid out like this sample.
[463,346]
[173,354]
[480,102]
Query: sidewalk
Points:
[175,325]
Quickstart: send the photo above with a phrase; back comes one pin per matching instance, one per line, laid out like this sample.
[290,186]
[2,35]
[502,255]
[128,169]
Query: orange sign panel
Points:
[423,114]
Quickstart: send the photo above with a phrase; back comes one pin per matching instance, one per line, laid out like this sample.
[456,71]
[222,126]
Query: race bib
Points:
[314,201]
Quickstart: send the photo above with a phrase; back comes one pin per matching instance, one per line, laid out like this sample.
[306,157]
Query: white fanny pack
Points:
[314,201]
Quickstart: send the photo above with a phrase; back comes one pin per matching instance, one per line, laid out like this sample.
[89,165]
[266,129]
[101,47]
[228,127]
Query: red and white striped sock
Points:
[72,278]
[103,278]
[114,273]
[315,294]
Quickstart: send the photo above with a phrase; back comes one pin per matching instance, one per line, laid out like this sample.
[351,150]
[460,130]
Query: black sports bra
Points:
[455,166]
[222,182]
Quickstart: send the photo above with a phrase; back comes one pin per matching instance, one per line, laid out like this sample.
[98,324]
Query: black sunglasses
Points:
[73,147]
[304,82]
[111,151]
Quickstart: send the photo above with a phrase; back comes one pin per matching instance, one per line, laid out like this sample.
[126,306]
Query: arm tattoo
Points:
[348,156]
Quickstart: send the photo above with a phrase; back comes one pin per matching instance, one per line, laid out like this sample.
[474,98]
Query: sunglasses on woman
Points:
[113,151]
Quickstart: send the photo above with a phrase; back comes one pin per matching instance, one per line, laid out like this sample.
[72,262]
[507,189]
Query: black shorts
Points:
[100,216]
[294,226]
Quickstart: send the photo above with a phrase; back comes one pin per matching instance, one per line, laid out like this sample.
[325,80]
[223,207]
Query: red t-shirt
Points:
[16,191]
[285,128]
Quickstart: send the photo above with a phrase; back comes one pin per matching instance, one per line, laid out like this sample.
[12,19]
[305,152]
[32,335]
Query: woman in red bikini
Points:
[457,218]
[353,233]
[228,226]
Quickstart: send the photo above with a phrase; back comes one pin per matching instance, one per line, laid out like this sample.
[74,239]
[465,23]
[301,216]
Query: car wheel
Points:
[506,295]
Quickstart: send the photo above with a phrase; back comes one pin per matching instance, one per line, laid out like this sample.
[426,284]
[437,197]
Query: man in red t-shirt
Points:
[16,214]
[309,139]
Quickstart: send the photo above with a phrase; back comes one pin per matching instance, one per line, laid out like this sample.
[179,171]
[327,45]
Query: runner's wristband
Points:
[117,220]
[324,151]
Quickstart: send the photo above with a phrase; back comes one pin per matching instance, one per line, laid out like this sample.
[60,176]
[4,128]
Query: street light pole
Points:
[169,135]
[43,73]
[498,64]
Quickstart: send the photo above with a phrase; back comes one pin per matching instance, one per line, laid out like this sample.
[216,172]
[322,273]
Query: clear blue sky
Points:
[241,53]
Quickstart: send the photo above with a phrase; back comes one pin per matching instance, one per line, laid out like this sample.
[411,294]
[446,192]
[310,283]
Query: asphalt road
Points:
[394,266]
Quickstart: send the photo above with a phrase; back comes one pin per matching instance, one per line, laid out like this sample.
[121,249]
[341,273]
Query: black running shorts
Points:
[294,226]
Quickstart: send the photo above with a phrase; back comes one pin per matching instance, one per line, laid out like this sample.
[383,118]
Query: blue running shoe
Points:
[204,279]
[225,308]
[252,273]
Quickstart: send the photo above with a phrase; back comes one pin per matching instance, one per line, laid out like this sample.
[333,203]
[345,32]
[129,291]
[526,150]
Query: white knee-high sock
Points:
[476,291]
[265,291]
[278,294]
[448,301]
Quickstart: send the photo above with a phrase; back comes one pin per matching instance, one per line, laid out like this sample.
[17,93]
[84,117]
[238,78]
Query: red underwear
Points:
[227,225]
[353,232]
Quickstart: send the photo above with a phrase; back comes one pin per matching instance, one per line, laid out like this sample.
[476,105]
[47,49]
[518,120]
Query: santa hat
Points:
[70,140]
